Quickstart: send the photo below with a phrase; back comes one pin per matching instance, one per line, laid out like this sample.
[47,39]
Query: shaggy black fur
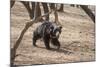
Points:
[49,32]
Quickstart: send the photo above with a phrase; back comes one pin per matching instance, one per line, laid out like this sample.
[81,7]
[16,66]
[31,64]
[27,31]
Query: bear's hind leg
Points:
[35,38]
[34,41]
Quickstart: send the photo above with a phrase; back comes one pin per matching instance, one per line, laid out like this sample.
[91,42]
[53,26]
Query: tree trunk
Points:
[33,9]
[89,12]
[46,10]
[72,5]
[61,9]
[12,3]
[52,6]
[27,6]
[56,16]
[37,11]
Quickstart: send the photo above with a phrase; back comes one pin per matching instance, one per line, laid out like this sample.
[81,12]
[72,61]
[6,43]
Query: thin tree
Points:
[52,6]
[56,16]
[33,9]
[46,10]
[12,2]
[27,6]
[38,11]
[61,9]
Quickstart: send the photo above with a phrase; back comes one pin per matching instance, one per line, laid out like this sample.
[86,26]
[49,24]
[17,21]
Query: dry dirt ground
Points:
[77,38]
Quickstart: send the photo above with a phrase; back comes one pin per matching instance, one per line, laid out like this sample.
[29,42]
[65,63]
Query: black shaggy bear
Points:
[49,32]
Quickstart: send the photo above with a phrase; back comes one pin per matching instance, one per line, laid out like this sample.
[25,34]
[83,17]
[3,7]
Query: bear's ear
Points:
[60,27]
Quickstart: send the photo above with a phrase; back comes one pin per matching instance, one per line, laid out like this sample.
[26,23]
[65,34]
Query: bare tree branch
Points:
[89,12]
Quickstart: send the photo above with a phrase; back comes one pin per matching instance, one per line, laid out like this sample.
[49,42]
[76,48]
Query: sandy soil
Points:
[77,38]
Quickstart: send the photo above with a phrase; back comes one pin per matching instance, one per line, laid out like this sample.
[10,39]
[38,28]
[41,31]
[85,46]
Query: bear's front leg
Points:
[46,42]
[55,42]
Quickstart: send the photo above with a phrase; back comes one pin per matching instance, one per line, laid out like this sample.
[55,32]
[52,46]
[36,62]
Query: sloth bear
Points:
[49,32]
